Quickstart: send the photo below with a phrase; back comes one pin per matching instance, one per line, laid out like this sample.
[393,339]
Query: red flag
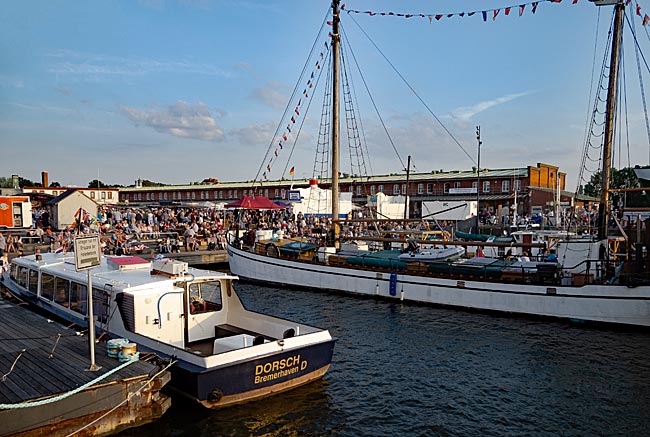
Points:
[292,171]
[268,167]
[284,137]
[646,19]
[507,11]
[276,152]
[293,120]
[296,110]
[575,1]
[438,17]
[638,10]
[496,12]
[521,9]
[627,3]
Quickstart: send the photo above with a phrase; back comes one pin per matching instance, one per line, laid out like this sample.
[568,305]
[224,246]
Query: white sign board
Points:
[87,252]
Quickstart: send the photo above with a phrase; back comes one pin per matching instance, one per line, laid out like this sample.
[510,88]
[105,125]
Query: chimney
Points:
[15,181]
[44,179]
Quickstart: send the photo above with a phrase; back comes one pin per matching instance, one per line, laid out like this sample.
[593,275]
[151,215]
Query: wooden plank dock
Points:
[41,359]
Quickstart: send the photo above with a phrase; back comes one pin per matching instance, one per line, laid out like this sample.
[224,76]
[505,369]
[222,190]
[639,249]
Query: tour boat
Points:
[224,354]
[584,277]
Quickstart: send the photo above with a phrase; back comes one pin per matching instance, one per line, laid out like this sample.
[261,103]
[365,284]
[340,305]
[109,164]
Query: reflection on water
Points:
[417,370]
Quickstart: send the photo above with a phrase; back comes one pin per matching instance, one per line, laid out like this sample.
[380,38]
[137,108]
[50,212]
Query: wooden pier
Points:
[41,359]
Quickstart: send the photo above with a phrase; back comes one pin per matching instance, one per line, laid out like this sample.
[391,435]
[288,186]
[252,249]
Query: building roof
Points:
[65,195]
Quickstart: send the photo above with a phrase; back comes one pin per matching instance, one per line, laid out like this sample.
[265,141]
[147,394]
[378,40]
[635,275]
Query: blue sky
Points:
[179,91]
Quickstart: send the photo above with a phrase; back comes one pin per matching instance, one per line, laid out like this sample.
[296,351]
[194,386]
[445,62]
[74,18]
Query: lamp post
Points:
[478,175]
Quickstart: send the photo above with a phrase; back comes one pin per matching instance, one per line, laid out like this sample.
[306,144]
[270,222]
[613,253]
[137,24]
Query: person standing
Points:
[3,244]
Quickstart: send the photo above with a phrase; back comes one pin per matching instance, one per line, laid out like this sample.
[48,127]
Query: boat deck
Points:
[205,347]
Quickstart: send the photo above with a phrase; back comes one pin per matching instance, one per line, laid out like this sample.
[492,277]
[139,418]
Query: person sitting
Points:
[524,257]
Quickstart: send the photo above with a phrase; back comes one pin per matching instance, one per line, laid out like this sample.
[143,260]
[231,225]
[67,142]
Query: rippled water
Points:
[401,369]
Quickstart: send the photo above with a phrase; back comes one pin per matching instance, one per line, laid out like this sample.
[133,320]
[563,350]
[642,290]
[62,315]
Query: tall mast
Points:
[603,208]
[406,191]
[335,119]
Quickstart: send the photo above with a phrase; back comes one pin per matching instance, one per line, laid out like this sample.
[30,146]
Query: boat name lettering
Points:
[279,368]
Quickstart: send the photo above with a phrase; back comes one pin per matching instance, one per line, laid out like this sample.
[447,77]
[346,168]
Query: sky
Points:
[176,91]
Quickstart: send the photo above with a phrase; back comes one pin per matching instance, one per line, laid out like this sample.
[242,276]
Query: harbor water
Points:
[404,369]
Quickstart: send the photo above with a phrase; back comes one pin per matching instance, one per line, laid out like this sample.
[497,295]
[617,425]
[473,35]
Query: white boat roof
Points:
[63,265]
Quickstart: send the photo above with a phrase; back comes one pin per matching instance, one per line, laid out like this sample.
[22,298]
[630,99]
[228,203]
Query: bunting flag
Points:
[638,10]
[276,153]
[646,19]
[280,144]
[284,137]
[438,16]
[268,167]
[293,120]
[289,127]
[292,171]
[296,111]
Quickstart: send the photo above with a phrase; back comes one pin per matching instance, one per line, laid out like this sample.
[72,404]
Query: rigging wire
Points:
[372,100]
[637,51]
[414,92]
[289,102]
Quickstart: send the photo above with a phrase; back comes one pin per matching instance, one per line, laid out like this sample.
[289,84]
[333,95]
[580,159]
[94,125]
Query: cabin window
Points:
[62,291]
[100,305]
[33,281]
[79,298]
[205,296]
[47,286]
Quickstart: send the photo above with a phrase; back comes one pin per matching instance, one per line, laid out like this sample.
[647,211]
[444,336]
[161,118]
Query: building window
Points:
[429,188]
[235,194]
[229,194]
[359,190]
[373,189]
[104,195]
[92,194]
[246,193]
[174,195]
[518,185]
[276,193]
[164,195]
[486,186]
[266,192]
[446,188]
[283,193]
[395,189]
[456,184]
[475,185]
[505,186]
[381,189]
[193,195]
[202,194]
[420,188]
[160,196]
[110,195]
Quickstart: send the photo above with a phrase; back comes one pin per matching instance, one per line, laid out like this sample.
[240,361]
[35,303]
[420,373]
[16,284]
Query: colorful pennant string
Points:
[484,13]
[293,119]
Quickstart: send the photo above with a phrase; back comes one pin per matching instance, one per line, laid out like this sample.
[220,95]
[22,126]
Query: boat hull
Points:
[255,379]
[595,303]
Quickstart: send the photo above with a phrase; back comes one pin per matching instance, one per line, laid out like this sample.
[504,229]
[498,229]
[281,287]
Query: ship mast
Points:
[335,119]
[603,208]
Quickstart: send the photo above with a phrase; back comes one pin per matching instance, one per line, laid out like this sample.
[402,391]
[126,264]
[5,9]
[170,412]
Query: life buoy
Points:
[272,251]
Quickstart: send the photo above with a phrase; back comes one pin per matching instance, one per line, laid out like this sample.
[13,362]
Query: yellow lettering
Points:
[267,367]
[275,365]
[283,363]
[259,369]
[303,366]
[257,380]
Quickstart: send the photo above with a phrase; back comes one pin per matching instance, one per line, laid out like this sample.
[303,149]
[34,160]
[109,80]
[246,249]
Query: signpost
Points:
[87,255]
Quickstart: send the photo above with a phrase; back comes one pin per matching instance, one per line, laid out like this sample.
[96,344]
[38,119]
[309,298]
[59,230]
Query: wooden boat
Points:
[588,282]
[432,255]
[225,353]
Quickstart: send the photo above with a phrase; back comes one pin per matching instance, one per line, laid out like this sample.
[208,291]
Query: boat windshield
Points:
[205,296]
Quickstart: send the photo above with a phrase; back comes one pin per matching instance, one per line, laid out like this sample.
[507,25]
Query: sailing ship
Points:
[223,354]
[584,280]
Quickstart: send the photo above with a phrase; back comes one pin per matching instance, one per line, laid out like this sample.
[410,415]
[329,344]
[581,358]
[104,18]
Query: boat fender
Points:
[258,340]
[289,333]
[215,395]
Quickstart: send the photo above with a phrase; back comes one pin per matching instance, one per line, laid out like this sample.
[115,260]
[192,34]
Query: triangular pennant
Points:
[496,12]
[638,10]
[280,144]
[438,17]
[484,15]
[450,15]
[296,111]
[293,120]
[534,6]
[507,11]
[469,14]
[575,2]
[430,18]
[276,153]
[645,20]
[462,14]
[521,9]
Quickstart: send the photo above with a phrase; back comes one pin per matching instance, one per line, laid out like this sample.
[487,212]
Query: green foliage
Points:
[96,183]
[148,183]
[623,178]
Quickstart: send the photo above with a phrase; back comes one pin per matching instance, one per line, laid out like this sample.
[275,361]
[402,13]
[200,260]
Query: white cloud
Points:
[97,66]
[181,119]
[254,135]
[274,94]
[464,113]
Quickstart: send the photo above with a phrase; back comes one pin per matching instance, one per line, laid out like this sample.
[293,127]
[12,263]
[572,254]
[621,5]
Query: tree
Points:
[623,178]
[96,183]
[55,185]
